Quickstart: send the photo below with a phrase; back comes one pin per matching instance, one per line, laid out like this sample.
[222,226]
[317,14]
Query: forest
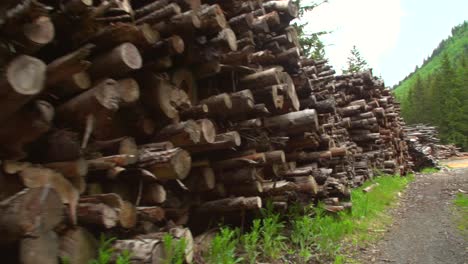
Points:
[437,92]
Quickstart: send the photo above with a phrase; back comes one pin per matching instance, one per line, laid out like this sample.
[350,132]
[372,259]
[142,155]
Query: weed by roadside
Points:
[174,250]
[223,247]
[429,170]
[105,253]
[311,233]
[461,212]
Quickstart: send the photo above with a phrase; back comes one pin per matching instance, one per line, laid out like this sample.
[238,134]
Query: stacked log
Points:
[425,147]
[141,115]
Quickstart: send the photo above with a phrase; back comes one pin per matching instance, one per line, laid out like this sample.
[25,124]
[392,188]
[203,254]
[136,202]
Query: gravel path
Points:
[424,231]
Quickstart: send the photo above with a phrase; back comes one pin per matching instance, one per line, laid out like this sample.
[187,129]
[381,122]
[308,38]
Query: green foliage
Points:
[250,242]
[223,247]
[272,239]
[303,237]
[461,200]
[309,233]
[461,212]
[105,253]
[123,258]
[369,212]
[356,63]
[174,250]
[429,170]
[437,92]
[64,260]
[311,44]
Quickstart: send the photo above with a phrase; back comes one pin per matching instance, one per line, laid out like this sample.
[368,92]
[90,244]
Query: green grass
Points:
[223,247]
[370,214]
[105,253]
[461,212]
[306,234]
[174,250]
[429,170]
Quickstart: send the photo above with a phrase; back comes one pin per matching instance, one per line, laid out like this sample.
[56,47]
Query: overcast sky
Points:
[392,35]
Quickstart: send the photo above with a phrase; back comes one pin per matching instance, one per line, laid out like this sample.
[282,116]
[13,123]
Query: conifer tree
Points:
[356,62]
[441,97]
[312,45]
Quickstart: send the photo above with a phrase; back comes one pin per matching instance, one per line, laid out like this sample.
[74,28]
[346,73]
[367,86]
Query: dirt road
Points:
[424,231]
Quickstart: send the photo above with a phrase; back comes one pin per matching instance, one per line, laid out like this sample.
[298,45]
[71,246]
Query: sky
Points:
[392,35]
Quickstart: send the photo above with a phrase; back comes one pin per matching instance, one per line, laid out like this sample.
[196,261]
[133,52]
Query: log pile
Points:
[425,148]
[141,117]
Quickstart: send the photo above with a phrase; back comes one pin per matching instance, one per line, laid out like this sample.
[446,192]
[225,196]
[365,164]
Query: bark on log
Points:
[153,193]
[170,164]
[219,104]
[200,179]
[158,15]
[63,67]
[99,215]
[261,79]
[117,62]
[212,19]
[72,85]
[151,213]
[24,127]
[247,174]
[97,104]
[231,204]
[156,90]
[222,141]
[294,122]
[180,134]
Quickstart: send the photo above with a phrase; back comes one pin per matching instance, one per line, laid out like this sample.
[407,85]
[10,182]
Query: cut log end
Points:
[41,31]
[131,56]
[182,164]
[26,75]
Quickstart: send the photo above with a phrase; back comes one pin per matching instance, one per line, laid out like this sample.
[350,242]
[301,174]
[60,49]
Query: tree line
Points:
[441,99]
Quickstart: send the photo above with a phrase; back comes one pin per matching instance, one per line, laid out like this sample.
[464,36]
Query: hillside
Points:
[453,46]
[437,92]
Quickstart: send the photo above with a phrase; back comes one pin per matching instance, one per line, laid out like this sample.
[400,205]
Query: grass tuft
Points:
[174,250]
[223,247]
[105,253]
[429,170]
[461,212]
[310,234]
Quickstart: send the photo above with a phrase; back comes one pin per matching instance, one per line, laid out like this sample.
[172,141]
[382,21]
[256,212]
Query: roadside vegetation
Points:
[303,235]
[173,249]
[461,213]
[429,170]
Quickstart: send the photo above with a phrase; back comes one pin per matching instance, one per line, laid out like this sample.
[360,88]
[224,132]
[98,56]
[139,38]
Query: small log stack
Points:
[425,148]
[145,116]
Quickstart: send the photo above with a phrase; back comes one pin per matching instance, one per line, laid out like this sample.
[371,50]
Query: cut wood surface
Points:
[19,213]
